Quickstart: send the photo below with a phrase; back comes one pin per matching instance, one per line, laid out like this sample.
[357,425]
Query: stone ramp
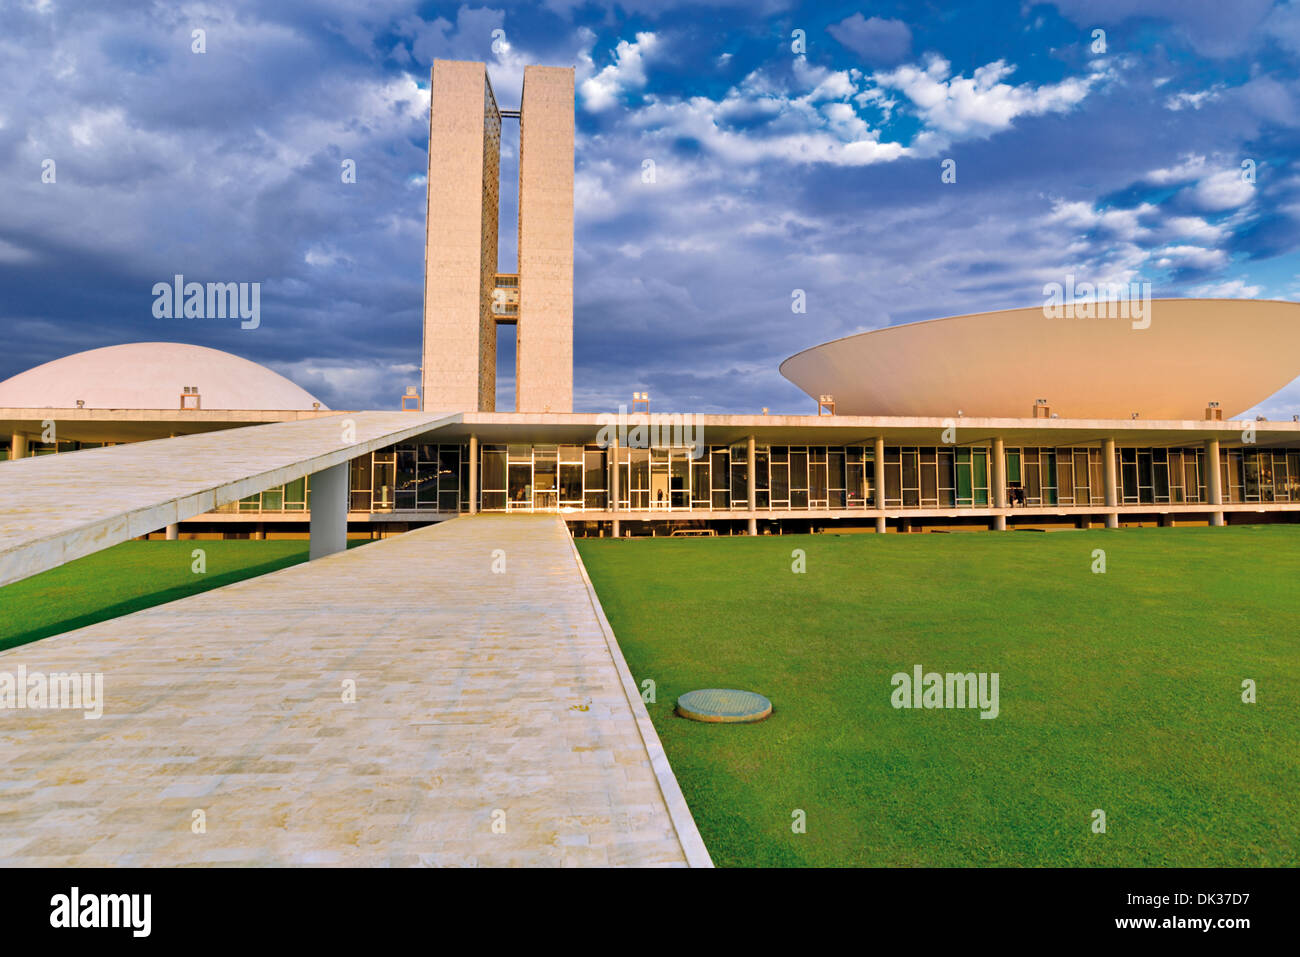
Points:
[57,508]
[494,723]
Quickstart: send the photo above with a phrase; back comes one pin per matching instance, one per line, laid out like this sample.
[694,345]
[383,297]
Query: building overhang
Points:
[132,425]
[897,430]
[93,425]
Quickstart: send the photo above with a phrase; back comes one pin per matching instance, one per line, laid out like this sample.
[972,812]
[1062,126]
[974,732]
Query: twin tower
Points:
[465,298]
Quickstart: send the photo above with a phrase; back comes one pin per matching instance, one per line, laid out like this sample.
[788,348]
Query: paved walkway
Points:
[482,699]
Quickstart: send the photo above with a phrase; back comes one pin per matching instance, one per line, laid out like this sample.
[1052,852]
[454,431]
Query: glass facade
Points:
[788,478]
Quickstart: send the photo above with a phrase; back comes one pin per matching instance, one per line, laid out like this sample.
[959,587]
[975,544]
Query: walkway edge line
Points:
[697,855]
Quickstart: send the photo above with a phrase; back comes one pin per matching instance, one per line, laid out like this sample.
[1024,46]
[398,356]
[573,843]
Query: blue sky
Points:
[775,170]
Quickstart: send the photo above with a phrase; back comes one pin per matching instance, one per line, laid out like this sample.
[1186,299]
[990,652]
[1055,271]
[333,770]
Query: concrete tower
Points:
[460,265]
[544,350]
[460,252]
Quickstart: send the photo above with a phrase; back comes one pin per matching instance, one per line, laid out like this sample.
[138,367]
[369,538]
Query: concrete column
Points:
[1108,470]
[329,511]
[613,484]
[999,523]
[999,476]
[1214,480]
[880,472]
[752,470]
[18,446]
[879,469]
[173,532]
[473,474]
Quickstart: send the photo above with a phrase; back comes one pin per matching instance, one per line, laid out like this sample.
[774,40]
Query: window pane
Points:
[570,483]
[493,476]
[595,477]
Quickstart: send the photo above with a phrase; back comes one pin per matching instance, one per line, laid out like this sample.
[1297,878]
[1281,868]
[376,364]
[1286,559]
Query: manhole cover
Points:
[720,704]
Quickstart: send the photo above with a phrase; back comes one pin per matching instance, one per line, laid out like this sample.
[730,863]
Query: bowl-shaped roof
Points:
[1236,352]
[152,375]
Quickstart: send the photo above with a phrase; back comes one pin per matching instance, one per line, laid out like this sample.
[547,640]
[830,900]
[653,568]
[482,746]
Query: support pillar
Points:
[878,471]
[999,474]
[329,511]
[1214,480]
[18,446]
[172,532]
[1108,469]
[878,476]
[751,470]
[473,475]
[999,478]
[613,484]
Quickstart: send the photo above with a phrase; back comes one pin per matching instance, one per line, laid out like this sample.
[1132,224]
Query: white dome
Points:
[152,375]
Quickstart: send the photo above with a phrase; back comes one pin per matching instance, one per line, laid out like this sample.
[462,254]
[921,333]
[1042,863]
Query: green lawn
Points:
[129,577]
[1118,691]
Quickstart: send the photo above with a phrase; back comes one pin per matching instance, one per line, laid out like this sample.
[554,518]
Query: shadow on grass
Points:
[149,600]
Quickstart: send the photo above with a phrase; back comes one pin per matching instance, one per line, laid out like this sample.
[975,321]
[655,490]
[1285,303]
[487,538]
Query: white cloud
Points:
[590,197]
[1223,190]
[1122,224]
[1182,101]
[627,72]
[1215,189]
[1228,289]
[1189,257]
[12,255]
[799,133]
[322,256]
[1191,168]
[1193,228]
[982,104]
[877,39]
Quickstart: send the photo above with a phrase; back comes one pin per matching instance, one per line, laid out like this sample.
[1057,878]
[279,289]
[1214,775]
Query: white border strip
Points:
[688,835]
